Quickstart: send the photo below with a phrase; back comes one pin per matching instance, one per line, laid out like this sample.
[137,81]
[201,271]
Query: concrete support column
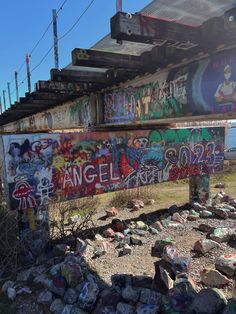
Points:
[199,189]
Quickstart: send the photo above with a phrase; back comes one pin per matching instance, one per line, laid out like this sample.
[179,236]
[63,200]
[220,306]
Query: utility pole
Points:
[9,93]
[28,72]
[118,6]
[55,38]
[16,81]
[0,105]
[4,99]
[119,9]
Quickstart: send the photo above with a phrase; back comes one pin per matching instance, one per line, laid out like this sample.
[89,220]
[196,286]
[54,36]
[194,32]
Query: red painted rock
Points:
[226,264]
[118,226]
[213,278]
[109,233]
[112,212]
[136,204]
[204,245]
[178,218]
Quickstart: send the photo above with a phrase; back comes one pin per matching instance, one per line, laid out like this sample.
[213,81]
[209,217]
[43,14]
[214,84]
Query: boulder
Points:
[109,233]
[70,297]
[182,295]
[149,296]
[58,285]
[193,216]
[124,308]
[177,217]
[181,265]
[208,301]
[168,282]
[118,226]
[220,235]
[72,272]
[24,275]
[119,236]
[11,294]
[169,253]
[159,245]
[159,283]
[230,308]
[135,240]
[130,294]
[108,299]
[88,296]
[213,278]
[147,309]
[205,228]
[226,264]
[206,214]
[198,207]
[135,204]
[157,225]
[57,306]
[126,250]
[6,285]
[205,245]
[220,212]
[45,297]
[111,212]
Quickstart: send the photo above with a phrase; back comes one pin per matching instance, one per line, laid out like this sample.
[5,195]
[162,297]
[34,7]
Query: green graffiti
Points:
[173,136]
[80,112]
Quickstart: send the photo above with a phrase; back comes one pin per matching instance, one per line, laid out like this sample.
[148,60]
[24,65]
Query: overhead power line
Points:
[60,38]
[38,42]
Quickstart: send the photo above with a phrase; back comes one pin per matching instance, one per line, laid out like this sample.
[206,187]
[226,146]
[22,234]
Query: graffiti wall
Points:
[76,114]
[203,87]
[43,168]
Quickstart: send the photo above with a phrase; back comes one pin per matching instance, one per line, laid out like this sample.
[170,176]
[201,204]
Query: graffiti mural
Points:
[203,87]
[151,101]
[76,114]
[43,168]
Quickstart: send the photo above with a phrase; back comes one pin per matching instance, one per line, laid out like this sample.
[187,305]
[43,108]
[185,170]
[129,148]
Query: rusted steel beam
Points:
[79,76]
[103,59]
[146,29]
[54,86]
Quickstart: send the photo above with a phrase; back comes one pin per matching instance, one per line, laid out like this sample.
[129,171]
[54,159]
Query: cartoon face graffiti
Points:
[22,193]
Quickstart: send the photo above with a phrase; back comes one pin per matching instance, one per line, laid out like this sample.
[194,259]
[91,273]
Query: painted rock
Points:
[220,235]
[213,278]
[205,245]
[208,301]
[226,264]
[124,308]
[88,296]
[72,272]
[109,233]
[130,294]
[111,212]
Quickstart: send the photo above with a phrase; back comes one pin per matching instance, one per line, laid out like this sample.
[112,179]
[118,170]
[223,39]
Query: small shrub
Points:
[72,218]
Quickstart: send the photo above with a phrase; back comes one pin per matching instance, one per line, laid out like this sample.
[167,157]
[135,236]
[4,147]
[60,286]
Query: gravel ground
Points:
[140,262]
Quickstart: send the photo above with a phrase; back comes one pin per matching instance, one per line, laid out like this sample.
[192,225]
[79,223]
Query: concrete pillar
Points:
[199,189]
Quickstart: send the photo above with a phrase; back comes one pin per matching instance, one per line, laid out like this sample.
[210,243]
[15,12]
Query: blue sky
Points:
[22,23]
